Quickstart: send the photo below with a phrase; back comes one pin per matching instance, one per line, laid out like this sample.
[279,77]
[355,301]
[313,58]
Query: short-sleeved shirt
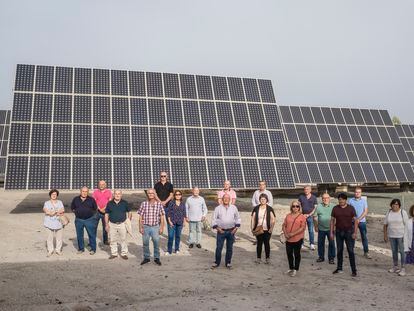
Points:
[176,212]
[151,213]
[344,217]
[396,222]
[53,222]
[163,190]
[230,192]
[323,214]
[307,204]
[117,211]
[102,197]
[293,224]
[84,209]
[360,205]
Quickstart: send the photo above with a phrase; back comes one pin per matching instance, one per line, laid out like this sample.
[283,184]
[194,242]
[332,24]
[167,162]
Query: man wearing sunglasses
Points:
[164,190]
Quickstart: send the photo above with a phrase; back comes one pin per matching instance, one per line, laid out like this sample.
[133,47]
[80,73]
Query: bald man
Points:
[102,196]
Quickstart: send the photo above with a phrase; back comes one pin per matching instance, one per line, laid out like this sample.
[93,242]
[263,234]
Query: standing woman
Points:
[394,229]
[53,209]
[263,215]
[175,216]
[294,230]
[409,238]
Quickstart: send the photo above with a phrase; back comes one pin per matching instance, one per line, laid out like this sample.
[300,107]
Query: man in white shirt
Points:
[257,193]
[196,212]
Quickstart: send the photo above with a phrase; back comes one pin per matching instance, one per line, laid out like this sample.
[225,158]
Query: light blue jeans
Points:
[151,232]
[397,246]
[195,232]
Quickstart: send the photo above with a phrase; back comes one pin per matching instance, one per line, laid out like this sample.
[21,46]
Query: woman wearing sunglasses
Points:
[175,216]
[294,230]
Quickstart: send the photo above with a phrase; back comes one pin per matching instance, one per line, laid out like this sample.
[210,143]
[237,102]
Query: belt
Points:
[118,223]
[230,229]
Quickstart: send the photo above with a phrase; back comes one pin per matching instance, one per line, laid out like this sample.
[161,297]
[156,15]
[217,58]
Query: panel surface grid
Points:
[357,145]
[126,126]
[406,136]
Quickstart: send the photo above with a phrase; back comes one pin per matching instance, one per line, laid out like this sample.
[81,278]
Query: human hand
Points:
[161,230]
[331,236]
[141,230]
[219,230]
[107,228]
[234,231]
[353,236]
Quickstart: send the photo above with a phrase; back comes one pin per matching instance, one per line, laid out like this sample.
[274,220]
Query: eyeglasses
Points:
[296,206]
[178,194]
[163,175]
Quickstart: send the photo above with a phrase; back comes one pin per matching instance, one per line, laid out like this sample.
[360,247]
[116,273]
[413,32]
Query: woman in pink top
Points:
[294,229]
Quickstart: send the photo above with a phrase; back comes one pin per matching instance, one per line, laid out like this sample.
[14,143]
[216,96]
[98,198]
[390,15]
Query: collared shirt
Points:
[102,197]
[226,217]
[175,212]
[230,192]
[256,195]
[151,213]
[308,205]
[323,213]
[196,208]
[360,205]
[84,209]
[117,211]
[53,222]
[163,190]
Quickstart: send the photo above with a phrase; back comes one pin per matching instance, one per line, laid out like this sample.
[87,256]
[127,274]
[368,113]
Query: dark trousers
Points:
[229,238]
[293,254]
[174,232]
[263,239]
[90,225]
[321,245]
[100,216]
[341,237]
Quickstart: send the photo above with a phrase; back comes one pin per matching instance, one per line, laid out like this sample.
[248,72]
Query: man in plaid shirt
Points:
[151,225]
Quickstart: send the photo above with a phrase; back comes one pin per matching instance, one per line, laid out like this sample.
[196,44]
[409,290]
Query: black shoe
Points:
[214,266]
[106,243]
[320,260]
[145,261]
[198,245]
[113,257]
[124,257]
[331,261]
[157,261]
[337,271]
[354,274]
[191,246]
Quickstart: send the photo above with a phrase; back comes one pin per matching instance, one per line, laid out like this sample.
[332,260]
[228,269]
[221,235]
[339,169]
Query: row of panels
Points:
[406,134]
[29,107]
[135,83]
[138,173]
[355,172]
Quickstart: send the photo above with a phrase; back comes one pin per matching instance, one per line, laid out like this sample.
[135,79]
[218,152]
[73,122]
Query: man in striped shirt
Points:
[151,224]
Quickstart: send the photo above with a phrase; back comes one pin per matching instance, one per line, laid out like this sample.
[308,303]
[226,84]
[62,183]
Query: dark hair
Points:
[342,195]
[395,201]
[411,211]
[175,192]
[264,195]
[54,191]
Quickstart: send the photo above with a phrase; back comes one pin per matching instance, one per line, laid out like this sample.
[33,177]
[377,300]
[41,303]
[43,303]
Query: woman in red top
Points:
[294,229]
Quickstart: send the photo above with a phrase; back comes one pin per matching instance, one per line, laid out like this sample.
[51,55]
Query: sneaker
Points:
[81,251]
[88,247]
[267,261]
[394,270]
[229,266]
[92,253]
[289,271]
[177,252]
[146,260]
[125,257]
[320,260]
[191,246]
[367,256]
[354,274]
[49,254]
[312,247]
[331,261]
[113,257]
[214,266]
[59,253]
[258,261]
[198,245]
[157,261]
[338,271]
[293,273]
[402,272]
[167,254]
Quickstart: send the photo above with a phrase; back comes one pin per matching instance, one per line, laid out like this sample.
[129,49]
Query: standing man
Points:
[322,219]
[227,190]
[151,221]
[257,193]
[361,208]
[344,224]
[226,220]
[102,196]
[116,213]
[164,190]
[196,212]
[309,202]
[84,207]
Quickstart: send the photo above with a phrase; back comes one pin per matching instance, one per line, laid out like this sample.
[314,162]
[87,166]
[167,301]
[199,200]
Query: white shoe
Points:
[312,247]
[177,252]
[402,272]
[288,272]
[394,270]
[167,254]
[293,273]
[258,261]
[49,254]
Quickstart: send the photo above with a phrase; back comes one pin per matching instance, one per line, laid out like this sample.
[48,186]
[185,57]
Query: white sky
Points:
[350,53]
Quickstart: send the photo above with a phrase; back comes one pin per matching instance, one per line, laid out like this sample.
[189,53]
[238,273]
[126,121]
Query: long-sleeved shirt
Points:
[256,195]
[226,217]
[195,208]
[84,209]
[175,212]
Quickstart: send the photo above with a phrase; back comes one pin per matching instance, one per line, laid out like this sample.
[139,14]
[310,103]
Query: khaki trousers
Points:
[54,234]
[118,234]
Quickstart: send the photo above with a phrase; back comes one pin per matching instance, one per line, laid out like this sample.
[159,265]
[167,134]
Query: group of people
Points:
[166,207]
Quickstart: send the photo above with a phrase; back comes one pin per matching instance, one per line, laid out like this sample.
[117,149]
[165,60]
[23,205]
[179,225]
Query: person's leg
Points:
[59,240]
[171,233]
[266,242]
[259,246]
[79,225]
[289,253]
[90,225]
[122,236]
[156,241]
[178,229]
[309,222]
[340,249]
[198,232]
[331,247]
[350,243]
[229,246]
[296,251]
[362,226]
[321,244]
[219,247]
[49,241]
[192,231]
[394,250]
[104,233]
[401,251]
[113,232]
[145,242]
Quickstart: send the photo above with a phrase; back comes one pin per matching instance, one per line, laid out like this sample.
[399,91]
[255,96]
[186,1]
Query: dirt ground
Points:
[30,281]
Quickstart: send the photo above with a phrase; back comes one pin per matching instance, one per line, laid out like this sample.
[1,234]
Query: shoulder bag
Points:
[282,237]
[259,228]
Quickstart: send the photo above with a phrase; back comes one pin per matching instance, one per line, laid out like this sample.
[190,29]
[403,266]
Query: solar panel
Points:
[342,145]
[73,126]
[405,133]
[4,138]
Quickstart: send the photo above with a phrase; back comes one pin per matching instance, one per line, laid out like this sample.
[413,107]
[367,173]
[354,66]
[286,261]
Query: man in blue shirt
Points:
[308,202]
[361,207]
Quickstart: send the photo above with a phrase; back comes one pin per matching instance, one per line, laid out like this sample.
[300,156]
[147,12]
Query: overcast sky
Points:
[350,53]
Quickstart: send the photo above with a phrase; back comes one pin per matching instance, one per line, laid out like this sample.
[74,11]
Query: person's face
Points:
[263,200]
[307,190]
[358,193]
[163,176]
[395,206]
[196,192]
[84,192]
[53,196]
[342,201]
[326,199]
[102,185]
[227,185]
[151,194]
[226,200]
[295,207]
[262,186]
[118,195]
[178,196]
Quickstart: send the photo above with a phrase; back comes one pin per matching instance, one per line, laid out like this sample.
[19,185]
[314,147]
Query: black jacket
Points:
[269,210]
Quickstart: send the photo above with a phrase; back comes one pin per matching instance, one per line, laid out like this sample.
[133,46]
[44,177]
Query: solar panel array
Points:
[4,138]
[406,134]
[341,145]
[74,126]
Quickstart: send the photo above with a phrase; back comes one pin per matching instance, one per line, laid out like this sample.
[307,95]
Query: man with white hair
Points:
[196,212]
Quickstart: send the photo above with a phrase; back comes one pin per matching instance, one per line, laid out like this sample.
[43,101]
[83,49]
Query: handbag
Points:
[64,220]
[259,228]
[282,236]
